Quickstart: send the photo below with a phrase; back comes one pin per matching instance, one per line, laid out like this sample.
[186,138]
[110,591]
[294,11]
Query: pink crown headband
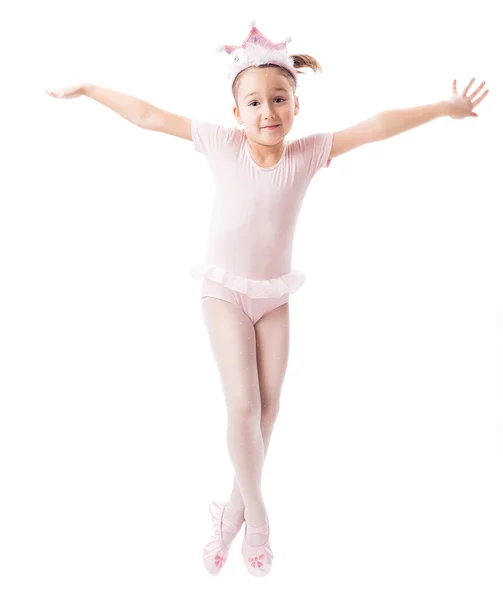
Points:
[257,50]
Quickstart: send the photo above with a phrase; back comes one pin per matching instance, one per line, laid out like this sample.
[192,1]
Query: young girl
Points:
[247,279]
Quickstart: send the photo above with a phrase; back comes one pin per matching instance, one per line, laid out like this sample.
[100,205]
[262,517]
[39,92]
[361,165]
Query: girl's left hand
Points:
[459,107]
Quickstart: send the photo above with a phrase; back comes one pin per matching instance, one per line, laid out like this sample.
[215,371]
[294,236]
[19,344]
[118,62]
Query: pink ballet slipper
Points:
[215,552]
[257,559]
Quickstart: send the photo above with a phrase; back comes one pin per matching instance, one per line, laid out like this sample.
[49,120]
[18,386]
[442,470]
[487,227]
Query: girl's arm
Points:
[141,113]
[388,123]
[458,106]
[130,108]
[136,111]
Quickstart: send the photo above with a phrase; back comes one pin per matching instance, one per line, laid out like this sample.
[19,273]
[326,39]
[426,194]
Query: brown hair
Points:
[299,61]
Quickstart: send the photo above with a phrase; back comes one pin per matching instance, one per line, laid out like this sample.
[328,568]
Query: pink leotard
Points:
[255,209]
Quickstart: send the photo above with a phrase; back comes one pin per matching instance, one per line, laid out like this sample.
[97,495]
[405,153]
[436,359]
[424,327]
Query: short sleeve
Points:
[210,138]
[317,148]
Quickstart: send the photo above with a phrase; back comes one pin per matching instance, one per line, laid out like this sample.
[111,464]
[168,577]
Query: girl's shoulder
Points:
[212,137]
[313,150]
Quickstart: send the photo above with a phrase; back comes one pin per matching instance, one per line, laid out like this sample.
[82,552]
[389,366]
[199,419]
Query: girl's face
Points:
[260,103]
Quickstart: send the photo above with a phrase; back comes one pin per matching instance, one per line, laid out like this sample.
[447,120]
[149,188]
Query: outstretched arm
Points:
[392,122]
[457,107]
[134,110]
[130,108]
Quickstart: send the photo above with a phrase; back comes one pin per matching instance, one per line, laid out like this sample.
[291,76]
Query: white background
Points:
[384,474]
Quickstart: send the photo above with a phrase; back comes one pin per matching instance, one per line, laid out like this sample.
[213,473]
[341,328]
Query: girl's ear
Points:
[236,116]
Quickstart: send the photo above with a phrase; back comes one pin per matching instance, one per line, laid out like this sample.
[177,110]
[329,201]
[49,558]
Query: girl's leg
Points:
[272,333]
[232,338]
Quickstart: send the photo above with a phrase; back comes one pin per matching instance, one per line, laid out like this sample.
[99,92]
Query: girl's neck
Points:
[266,156]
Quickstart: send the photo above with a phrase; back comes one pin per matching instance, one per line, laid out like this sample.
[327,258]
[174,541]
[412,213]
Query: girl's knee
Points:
[244,406]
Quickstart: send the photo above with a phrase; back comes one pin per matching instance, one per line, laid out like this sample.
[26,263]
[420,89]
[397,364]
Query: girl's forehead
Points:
[257,82]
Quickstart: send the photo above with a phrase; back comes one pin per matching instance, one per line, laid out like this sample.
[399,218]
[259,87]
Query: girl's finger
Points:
[479,100]
[473,94]
[468,86]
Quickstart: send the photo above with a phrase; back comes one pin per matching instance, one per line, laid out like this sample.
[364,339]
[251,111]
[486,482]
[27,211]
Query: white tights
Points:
[252,361]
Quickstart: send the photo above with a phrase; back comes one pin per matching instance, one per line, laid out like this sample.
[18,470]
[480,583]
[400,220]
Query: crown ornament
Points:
[258,50]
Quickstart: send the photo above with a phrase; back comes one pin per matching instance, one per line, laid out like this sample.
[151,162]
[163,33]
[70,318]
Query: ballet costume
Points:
[255,211]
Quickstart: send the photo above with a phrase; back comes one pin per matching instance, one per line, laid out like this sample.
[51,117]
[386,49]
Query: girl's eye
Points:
[282,99]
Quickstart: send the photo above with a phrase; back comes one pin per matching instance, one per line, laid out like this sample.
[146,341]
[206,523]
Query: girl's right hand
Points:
[67,93]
